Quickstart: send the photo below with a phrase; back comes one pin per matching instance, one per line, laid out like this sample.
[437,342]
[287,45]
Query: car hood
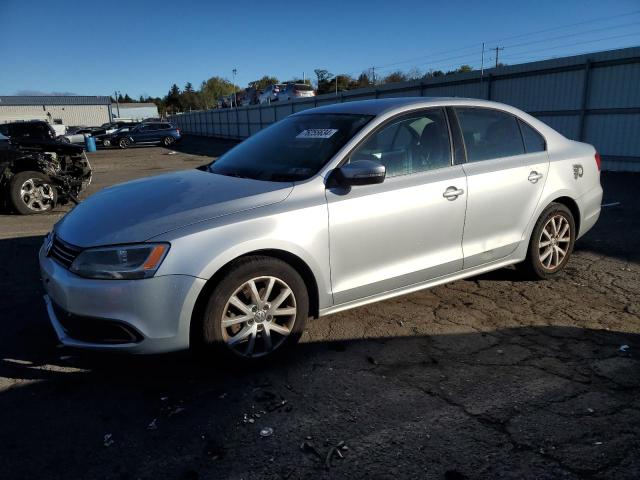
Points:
[138,210]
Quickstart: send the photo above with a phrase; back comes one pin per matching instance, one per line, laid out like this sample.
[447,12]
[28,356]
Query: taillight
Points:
[598,160]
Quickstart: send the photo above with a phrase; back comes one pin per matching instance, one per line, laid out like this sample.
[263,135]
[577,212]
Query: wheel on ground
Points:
[124,143]
[32,193]
[257,310]
[106,143]
[166,141]
[551,243]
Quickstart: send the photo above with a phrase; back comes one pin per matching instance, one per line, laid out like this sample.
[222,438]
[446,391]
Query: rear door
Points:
[408,229]
[504,179]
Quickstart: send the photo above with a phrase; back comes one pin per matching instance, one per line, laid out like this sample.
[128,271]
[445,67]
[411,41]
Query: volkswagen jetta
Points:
[328,209]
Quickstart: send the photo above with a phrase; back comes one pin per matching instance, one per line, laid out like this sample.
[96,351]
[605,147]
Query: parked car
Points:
[78,135]
[270,94]
[328,209]
[32,129]
[38,174]
[147,133]
[225,102]
[296,90]
[251,96]
[106,139]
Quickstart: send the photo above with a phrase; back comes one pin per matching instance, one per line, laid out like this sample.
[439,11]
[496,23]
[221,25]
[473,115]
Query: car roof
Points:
[384,105]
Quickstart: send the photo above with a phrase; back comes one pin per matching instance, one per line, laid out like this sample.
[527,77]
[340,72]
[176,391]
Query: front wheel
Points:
[106,143]
[124,143]
[551,243]
[32,193]
[257,310]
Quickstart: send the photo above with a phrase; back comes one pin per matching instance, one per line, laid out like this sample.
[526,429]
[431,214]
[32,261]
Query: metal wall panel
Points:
[594,98]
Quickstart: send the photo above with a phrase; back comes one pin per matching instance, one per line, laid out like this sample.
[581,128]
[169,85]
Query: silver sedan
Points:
[326,210]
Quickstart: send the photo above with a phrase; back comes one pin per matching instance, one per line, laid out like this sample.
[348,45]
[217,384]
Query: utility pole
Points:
[497,54]
[117,102]
[481,69]
[235,97]
[336,85]
[373,75]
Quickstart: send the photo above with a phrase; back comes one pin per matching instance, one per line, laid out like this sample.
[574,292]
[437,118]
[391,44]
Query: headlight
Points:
[120,262]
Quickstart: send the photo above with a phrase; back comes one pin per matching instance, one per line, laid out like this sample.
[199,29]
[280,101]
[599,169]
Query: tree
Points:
[263,82]
[173,101]
[322,75]
[188,88]
[363,81]
[394,77]
[414,74]
[127,98]
[214,88]
[465,68]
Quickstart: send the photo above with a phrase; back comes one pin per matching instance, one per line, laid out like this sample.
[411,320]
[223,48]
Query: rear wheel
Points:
[32,193]
[551,242]
[257,310]
[166,141]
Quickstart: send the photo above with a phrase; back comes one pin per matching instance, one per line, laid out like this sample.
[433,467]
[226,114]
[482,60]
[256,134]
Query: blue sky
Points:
[142,47]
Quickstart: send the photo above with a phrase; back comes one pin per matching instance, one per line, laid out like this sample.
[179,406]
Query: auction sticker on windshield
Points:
[317,133]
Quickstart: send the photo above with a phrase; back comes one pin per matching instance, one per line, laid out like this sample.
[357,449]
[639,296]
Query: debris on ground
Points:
[153,425]
[624,348]
[171,153]
[108,440]
[612,204]
[266,432]
[372,360]
[214,451]
[334,451]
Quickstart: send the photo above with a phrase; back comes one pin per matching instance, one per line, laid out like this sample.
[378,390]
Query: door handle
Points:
[452,193]
[534,176]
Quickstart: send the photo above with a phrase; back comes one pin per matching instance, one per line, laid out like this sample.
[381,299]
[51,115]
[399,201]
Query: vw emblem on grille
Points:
[48,243]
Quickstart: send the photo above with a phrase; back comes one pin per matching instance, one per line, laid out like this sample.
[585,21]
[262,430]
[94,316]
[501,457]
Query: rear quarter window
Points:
[533,141]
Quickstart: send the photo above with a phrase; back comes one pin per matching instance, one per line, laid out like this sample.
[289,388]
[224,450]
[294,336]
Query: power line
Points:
[474,47]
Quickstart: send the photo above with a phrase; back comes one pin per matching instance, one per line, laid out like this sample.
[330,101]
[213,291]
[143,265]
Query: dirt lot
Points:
[491,377]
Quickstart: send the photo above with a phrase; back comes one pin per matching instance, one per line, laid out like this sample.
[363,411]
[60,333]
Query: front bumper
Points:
[157,309]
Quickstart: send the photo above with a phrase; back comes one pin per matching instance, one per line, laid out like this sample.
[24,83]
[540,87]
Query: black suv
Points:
[33,130]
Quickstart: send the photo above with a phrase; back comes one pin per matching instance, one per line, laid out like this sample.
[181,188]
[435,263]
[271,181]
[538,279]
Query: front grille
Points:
[95,330]
[63,252]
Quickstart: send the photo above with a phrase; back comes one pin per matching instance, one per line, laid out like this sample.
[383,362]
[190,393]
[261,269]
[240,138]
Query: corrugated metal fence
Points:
[593,98]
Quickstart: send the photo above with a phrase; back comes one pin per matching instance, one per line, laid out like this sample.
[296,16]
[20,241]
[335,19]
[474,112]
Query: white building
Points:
[65,110]
[134,111]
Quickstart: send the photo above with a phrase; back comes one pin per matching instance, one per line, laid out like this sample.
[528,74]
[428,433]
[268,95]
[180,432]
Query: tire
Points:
[254,330]
[32,193]
[124,143]
[106,143]
[553,233]
[167,141]
[63,139]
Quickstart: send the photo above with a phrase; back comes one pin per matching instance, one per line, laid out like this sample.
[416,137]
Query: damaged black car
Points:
[36,174]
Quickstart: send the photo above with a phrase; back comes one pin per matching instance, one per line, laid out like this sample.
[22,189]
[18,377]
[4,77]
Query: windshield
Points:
[293,149]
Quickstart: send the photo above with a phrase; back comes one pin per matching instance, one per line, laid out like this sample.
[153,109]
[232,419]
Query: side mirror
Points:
[359,172]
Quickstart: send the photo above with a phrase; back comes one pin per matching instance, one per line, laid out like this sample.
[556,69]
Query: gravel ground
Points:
[490,377]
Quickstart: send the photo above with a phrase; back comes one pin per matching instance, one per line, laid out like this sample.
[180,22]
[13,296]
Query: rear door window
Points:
[489,134]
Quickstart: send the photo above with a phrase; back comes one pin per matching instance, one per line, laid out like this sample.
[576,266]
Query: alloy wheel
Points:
[36,195]
[554,242]
[259,316]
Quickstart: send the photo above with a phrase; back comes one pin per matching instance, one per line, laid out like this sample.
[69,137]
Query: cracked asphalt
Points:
[489,377]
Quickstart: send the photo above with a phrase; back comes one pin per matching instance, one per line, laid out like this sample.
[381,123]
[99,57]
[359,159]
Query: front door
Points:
[407,229]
